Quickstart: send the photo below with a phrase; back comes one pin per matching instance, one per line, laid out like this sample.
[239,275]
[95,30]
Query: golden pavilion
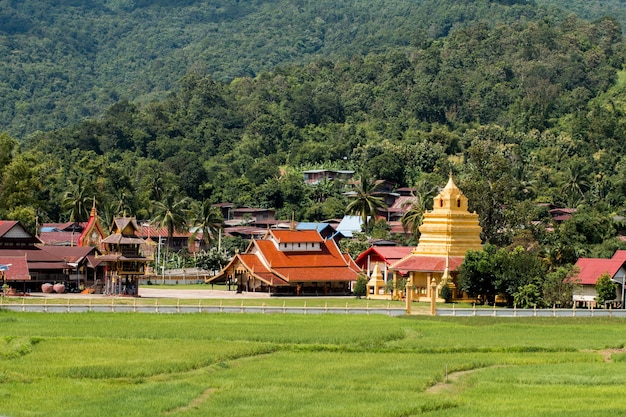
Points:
[446,234]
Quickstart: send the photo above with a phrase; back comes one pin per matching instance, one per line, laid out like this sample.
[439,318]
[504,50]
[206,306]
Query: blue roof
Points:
[349,225]
[312,226]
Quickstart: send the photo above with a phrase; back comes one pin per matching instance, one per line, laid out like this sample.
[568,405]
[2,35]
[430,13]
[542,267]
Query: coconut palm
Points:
[78,199]
[207,220]
[170,213]
[412,218]
[366,200]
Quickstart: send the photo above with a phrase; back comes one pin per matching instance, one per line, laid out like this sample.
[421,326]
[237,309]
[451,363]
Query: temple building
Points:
[124,260]
[446,234]
[295,262]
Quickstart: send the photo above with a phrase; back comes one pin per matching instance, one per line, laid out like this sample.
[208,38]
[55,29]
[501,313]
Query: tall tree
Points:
[412,218]
[206,219]
[366,200]
[78,198]
[170,213]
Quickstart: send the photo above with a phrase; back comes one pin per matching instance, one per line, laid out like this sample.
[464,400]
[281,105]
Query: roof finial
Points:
[93,213]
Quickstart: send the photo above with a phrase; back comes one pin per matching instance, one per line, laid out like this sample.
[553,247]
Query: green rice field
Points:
[125,364]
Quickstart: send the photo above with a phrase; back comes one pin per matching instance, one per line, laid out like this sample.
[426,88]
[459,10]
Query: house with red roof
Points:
[89,233]
[376,260]
[590,269]
[291,262]
[28,264]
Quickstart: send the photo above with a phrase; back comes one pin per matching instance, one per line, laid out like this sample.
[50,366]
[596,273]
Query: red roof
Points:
[295,236]
[152,231]
[592,268]
[421,263]
[387,254]
[264,260]
[69,253]
[254,264]
[619,255]
[6,225]
[17,268]
[328,256]
[317,274]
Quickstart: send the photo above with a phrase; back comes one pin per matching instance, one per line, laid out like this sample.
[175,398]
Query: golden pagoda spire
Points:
[293,222]
[93,213]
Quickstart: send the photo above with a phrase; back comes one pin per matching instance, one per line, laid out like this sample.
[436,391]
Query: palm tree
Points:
[78,199]
[412,218]
[170,213]
[207,220]
[366,200]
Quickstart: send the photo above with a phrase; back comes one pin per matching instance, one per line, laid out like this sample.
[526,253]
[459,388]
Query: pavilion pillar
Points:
[409,293]
[433,297]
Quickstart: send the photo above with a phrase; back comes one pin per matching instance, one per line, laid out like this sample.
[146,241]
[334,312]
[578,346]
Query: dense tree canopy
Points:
[527,110]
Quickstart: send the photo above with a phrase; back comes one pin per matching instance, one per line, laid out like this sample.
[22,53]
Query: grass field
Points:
[100,364]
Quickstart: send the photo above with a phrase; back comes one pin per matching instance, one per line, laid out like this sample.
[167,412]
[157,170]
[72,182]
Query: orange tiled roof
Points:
[329,256]
[295,236]
[253,263]
[264,260]
[319,274]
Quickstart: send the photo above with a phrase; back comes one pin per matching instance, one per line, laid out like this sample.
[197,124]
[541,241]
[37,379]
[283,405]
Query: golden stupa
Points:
[446,234]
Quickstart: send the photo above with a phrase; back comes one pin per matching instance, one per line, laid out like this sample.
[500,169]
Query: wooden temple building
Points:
[291,262]
[124,261]
[446,234]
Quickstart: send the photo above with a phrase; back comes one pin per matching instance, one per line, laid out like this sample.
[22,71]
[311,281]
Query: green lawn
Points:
[101,364]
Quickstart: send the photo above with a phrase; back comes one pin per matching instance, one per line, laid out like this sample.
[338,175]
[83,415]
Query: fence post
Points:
[241,306]
[263,308]
[388,310]
[305,307]
[89,308]
[346,307]
[134,305]
[284,308]
[553,310]
[112,303]
[494,308]
[68,305]
[178,305]
[23,306]
[221,306]
[199,306]
[514,310]
[367,308]
[535,311]
[474,309]
[45,305]
[156,305]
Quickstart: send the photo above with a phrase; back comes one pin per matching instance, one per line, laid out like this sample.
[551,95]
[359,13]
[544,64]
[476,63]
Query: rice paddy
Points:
[125,364]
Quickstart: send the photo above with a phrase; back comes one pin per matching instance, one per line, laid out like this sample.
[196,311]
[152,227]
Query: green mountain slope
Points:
[64,60]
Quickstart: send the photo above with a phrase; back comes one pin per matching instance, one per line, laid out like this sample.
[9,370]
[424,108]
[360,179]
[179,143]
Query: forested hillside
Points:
[65,60]
[527,111]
